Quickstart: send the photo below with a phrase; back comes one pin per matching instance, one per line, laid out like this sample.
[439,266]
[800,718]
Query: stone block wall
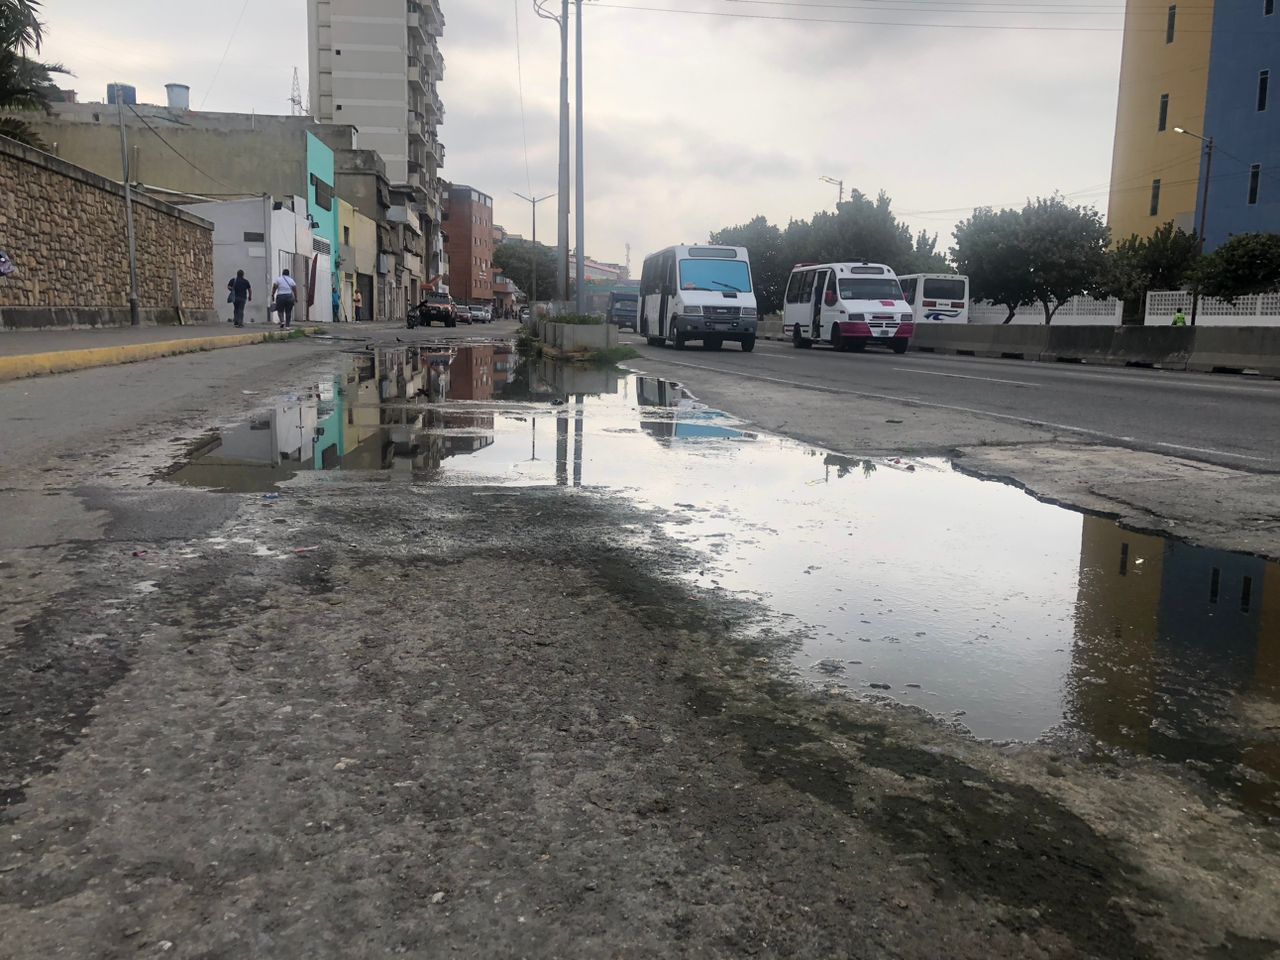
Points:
[64,229]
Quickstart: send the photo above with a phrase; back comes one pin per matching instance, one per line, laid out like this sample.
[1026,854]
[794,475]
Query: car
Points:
[480,313]
[524,314]
[433,308]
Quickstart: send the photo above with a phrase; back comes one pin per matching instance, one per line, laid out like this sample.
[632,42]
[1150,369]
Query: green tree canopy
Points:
[26,84]
[1247,264]
[859,229]
[515,259]
[1137,264]
[1046,253]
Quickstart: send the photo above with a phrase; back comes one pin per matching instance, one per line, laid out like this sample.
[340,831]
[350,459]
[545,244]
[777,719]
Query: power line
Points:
[178,152]
[524,123]
[230,40]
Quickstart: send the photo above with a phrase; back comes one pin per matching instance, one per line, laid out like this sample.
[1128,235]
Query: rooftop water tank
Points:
[128,94]
[179,96]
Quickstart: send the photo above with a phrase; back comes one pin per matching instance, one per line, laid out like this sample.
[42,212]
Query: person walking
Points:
[284,291]
[239,292]
[1179,319]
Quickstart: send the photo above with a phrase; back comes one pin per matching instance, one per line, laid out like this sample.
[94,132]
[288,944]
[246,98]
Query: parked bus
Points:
[698,293]
[937,297]
[847,305]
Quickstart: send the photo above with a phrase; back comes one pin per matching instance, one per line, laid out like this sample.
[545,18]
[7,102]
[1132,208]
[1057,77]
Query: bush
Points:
[578,320]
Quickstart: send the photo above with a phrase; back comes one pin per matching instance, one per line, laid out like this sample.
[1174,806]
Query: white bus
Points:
[937,297]
[847,305]
[698,293]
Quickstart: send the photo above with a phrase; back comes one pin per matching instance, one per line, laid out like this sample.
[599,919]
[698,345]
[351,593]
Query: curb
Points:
[28,365]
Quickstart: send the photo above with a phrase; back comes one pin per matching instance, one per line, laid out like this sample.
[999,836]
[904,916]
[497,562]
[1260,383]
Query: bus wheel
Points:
[797,340]
[899,348]
[838,343]
[677,340]
[749,343]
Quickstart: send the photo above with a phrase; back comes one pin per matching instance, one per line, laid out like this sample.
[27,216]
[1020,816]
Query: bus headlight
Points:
[748,313]
[691,311]
[857,318]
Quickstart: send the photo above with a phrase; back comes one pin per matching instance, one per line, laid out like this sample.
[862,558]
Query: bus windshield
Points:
[870,288]
[728,276]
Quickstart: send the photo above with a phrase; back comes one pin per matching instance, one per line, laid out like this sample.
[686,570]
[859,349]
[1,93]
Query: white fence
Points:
[1077,312]
[1263,311]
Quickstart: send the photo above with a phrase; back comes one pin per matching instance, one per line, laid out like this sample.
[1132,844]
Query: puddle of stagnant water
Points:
[908,579]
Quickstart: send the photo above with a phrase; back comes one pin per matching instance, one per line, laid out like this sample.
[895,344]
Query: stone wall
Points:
[64,229]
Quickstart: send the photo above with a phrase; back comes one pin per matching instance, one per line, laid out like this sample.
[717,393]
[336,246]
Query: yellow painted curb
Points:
[66,361]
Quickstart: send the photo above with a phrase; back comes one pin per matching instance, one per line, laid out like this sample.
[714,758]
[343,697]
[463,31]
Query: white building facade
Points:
[376,64]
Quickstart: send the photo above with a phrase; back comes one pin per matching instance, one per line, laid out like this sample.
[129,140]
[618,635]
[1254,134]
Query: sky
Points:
[693,122]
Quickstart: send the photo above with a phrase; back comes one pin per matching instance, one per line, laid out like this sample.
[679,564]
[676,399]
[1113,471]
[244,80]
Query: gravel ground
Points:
[373,718]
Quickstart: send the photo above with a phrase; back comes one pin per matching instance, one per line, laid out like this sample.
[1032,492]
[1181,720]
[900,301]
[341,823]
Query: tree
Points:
[1247,264]
[1137,265]
[989,250]
[768,267]
[26,84]
[515,259]
[859,229]
[1046,253]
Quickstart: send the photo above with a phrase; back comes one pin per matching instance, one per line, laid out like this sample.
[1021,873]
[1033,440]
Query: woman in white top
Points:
[285,292]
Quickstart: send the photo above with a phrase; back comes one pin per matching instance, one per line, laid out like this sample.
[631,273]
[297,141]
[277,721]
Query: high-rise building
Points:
[469,228]
[376,64]
[1207,68]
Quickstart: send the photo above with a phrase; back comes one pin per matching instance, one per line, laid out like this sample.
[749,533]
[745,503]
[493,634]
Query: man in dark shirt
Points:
[241,292]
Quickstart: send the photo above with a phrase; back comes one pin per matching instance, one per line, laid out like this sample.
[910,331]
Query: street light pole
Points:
[134,318]
[562,246]
[1204,208]
[580,188]
[835,183]
[533,202]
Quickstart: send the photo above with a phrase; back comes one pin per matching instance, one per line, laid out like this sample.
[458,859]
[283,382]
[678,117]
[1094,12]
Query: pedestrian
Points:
[284,291]
[337,305]
[239,292]
[1179,318]
[357,301]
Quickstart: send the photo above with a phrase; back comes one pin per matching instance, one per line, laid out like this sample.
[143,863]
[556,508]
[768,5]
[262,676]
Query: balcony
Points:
[416,81]
[417,127]
[413,18]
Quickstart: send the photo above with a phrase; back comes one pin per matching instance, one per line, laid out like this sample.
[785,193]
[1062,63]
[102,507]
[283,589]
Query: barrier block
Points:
[980,340]
[1165,347]
[1079,344]
[1235,349]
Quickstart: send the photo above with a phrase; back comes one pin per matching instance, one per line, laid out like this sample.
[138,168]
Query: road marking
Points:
[1046,424]
[961,376]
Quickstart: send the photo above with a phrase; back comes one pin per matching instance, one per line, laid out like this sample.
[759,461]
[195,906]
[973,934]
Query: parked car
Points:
[433,308]
[480,313]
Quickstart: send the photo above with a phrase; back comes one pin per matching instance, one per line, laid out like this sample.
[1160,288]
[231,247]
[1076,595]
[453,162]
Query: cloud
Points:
[693,122]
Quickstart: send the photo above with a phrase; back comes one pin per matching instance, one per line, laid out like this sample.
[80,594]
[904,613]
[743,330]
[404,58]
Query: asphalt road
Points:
[1230,420]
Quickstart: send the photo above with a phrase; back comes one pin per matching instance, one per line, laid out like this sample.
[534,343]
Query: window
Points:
[1268,7]
[1163,123]
[1173,21]
[725,276]
[1255,175]
[1155,197]
[806,286]
[936,288]
[252,237]
[909,289]
[1264,83]
[869,288]
[346,235]
[324,193]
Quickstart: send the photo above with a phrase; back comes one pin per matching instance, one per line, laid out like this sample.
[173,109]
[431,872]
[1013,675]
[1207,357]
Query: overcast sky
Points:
[695,122]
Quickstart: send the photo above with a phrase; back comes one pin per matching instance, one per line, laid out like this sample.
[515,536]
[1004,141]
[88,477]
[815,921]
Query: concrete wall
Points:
[64,229]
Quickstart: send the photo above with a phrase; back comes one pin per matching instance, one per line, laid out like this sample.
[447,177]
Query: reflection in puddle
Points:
[909,580]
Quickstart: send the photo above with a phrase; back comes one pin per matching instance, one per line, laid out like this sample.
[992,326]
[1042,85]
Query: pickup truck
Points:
[434,308]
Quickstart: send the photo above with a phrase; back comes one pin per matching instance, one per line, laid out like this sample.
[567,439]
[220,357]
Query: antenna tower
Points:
[295,95]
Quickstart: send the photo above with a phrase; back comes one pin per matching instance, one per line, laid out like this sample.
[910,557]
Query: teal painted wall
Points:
[320,165]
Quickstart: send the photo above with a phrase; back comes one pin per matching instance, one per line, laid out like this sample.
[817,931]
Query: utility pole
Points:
[533,202]
[134,318]
[580,187]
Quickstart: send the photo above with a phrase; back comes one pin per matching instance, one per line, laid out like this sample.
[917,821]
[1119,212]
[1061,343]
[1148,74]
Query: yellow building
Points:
[1164,83]
[357,263]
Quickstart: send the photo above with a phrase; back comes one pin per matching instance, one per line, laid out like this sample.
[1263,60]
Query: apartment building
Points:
[1190,72]
[376,65]
[468,216]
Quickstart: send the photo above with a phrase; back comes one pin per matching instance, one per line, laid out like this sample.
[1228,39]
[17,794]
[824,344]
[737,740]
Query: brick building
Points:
[468,225]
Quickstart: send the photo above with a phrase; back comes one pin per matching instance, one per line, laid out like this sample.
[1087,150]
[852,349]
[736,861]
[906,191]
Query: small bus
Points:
[846,305]
[937,297]
[701,293]
[623,307]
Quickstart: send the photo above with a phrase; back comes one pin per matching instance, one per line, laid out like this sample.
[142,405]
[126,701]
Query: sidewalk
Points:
[42,352]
